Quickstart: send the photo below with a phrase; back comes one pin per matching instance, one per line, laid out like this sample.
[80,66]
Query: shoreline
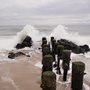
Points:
[22,74]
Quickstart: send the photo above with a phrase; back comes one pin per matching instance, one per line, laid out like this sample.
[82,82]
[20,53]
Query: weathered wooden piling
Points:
[52,38]
[45,50]
[48,81]
[53,43]
[77,75]
[44,42]
[46,45]
[59,50]
[66,62]
[53,49]
[44,38]
[47,63]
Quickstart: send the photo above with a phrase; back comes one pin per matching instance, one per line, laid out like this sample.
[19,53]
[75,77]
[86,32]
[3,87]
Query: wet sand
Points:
[23,74]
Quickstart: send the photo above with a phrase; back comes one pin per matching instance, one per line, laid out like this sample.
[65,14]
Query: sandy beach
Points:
[31,29]
[22,74]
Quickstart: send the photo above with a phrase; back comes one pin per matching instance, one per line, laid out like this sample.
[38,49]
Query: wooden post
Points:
[60,49]
[47,63]
[53,49]
[66,62]
[48,81]
[44,42]
[45,51]
[44,38]
[52,37]
[77,75]
[46,45]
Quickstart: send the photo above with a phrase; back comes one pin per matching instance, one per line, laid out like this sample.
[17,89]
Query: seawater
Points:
[11,34]
[9,30]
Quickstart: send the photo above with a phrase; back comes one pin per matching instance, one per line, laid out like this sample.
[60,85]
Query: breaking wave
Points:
[62,32]
[59,32]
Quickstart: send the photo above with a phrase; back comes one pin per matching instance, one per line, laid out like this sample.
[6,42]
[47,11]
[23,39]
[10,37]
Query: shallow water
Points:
[11,35]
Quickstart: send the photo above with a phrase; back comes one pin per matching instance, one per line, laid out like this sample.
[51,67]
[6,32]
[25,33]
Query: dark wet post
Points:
[48,81]
[44,38]
[60,49]
[47,63]
[53,49]
[52,38]
[47,45]
[44,42]
[45,50]
[77,75]
[66,62]
[54,53]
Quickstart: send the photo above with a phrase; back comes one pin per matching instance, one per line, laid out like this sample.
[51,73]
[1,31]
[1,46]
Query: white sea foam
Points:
[30,31]
[10,42]
[59,32]
[87,55]
[39,65]
[6,43]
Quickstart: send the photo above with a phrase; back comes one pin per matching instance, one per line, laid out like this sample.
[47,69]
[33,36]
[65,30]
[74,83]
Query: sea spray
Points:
[61,32]
[6,43]
[30,31]
[11,42]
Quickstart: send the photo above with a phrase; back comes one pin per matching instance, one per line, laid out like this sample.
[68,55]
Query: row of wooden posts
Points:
[49,54]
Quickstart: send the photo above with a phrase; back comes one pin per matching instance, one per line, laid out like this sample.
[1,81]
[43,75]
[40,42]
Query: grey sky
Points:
[30,11]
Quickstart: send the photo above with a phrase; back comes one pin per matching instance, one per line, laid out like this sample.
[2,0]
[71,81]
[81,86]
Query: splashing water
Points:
[27,30]
[30,31]
[59,32]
